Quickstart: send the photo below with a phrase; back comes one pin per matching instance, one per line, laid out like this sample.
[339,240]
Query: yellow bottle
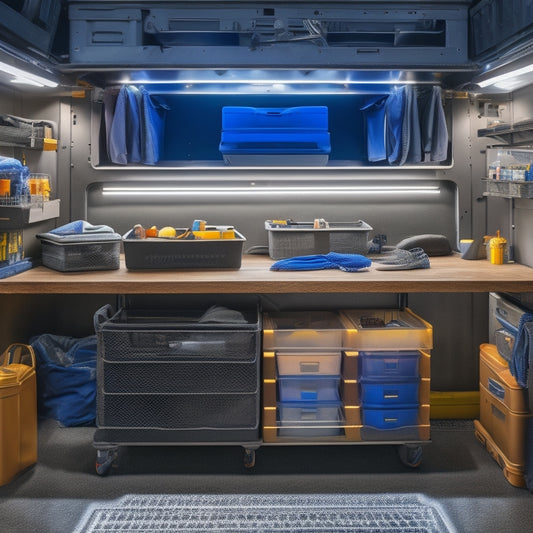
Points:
[497,249]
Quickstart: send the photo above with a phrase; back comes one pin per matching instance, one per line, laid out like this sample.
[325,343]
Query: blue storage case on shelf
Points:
[309,389]
[380,395]
[279,136]
[390,418]
[389,365]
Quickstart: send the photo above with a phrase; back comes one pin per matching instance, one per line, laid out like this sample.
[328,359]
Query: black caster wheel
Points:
[105,460]
[410,455]
[249,458]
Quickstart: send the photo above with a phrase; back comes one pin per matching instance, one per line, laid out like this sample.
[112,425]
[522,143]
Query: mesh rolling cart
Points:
[175,376]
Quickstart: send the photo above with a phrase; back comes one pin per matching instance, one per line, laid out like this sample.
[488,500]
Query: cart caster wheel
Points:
[410,455]
[105,460]
[249,458]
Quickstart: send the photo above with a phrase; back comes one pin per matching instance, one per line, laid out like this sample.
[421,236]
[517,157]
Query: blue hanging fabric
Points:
[133,124]
[411,142]
[118,152]
[153,113]
[110,101]
[394,115]
[374,119]
[439,146]
[433,128]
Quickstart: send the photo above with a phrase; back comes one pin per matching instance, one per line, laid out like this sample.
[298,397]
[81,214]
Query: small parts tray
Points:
[157,253]
[302,238]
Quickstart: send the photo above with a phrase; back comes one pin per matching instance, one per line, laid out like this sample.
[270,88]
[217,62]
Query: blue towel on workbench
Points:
[522,355]
[345,262]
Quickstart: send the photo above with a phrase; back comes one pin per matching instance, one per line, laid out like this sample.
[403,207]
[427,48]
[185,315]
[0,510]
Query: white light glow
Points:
[318,190]
[22,76]
[508,75]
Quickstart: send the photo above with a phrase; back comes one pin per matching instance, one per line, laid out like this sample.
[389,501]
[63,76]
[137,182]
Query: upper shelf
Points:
[512,134]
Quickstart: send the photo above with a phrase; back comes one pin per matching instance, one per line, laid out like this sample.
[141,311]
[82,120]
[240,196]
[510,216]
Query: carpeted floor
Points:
[456,473]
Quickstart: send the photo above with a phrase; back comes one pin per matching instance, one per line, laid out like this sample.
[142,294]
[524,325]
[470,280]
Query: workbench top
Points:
[447,274]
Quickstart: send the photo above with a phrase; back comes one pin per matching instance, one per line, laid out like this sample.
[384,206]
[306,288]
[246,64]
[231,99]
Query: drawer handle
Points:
[306,366]
[390,396]
[496,389]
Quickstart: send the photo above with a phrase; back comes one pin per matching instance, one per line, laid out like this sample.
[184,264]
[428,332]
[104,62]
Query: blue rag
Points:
[80,230]
[522,354]
[345,262]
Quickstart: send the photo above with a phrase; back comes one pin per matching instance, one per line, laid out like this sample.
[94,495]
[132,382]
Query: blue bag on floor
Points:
[66,378]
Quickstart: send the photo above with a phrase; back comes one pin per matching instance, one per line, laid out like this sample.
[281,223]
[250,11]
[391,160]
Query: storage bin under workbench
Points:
[178,375]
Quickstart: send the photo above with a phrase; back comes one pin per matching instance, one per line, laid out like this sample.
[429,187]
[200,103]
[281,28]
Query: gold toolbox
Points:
[18,411]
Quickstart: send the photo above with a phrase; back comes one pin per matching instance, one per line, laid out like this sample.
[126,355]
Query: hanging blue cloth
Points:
[374,119]
[433,128]
[109,100]
[522,354]
[118,152]
[133,124]
[411,143]
[153,113]
[439,146]
[394,111]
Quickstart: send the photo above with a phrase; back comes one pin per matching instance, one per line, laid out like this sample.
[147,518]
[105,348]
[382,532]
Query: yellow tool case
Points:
[18,411]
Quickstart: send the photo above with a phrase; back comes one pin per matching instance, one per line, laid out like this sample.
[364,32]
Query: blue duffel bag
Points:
[66,378]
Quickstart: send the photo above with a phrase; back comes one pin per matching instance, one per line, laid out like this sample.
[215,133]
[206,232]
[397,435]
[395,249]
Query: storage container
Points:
[81,256]
[514,473]
[380,395]
[504,321]
[310,420]
[18,411]
[496,378]
[386,329]
[11,247]
[302,330]
[507,428]
[192,371]
[279,136]
[158,253]
[302,238]
[389,364]
[395,424]
[309,390]
[94,31]
[308,363]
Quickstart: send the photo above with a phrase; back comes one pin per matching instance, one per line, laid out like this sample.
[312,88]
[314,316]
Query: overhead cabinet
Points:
[255,35]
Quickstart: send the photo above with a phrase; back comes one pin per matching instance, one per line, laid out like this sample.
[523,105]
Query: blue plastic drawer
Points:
[306,389]
[390,364]
[389,418]
[242,118]
[393,394]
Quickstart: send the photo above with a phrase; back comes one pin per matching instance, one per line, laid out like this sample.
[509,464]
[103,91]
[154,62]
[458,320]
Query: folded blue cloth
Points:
[80,231]
[345,262]
[78,227]
[522,354]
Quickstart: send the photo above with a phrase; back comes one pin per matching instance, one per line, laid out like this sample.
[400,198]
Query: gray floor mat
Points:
[332,513]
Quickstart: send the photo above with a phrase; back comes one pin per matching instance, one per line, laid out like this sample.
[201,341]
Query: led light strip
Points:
[180,191]
[22,76]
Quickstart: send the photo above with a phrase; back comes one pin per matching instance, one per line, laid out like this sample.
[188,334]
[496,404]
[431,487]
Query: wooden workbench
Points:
[447,274]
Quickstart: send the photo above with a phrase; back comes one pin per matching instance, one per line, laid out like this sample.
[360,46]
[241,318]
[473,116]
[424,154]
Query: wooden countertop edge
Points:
[447,274]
